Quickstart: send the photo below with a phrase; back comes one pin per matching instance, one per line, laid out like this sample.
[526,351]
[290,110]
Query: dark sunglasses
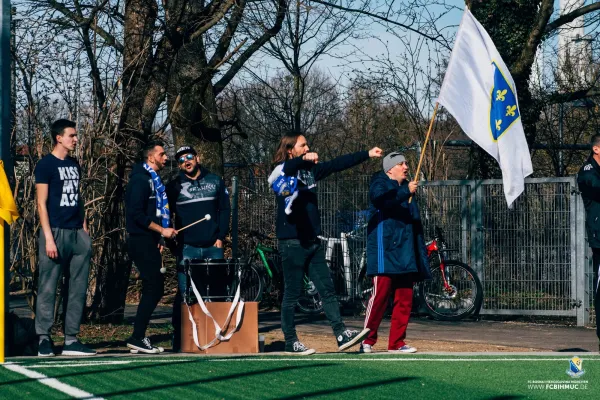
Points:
[187,157]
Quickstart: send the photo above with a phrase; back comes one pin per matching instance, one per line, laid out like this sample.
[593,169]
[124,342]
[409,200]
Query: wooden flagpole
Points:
[425,145]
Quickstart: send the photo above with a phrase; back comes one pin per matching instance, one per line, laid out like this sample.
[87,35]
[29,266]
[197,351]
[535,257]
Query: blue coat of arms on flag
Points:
[504,110]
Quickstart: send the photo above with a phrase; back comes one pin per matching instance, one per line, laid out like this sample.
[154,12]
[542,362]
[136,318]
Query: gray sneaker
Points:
[298,348]
[404,349]
[77,349]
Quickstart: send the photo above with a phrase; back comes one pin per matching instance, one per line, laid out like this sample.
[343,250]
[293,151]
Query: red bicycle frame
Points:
[433,247]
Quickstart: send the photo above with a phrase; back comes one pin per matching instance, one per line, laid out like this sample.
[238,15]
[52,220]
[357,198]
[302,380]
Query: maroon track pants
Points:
[383,288]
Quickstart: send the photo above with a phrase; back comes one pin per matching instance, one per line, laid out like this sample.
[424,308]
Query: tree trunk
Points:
[113,278]
[193,107]
[134,129]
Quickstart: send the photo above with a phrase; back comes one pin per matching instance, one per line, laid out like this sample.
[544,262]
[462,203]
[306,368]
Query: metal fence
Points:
[532,259]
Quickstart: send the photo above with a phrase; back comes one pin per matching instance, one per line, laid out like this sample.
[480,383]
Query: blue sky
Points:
[377,47]
[383,41]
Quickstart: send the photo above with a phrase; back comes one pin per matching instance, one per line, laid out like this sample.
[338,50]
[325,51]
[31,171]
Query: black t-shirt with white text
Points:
[62,178]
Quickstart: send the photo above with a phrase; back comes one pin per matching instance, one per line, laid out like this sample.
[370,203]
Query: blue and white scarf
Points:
[162,204]
[285,186]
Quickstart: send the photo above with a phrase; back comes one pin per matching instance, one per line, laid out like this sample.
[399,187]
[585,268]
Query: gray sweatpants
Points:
[74,252]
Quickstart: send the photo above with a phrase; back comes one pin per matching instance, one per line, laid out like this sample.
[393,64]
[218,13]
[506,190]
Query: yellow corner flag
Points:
[8,214]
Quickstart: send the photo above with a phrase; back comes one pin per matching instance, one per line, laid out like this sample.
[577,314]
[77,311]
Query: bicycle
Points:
[344,274]
[454,292]
[262,273]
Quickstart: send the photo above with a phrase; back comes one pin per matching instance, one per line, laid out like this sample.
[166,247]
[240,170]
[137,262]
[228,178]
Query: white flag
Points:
[481,95]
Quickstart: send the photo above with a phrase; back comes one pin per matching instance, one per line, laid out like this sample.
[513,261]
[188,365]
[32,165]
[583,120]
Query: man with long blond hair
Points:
[299,245]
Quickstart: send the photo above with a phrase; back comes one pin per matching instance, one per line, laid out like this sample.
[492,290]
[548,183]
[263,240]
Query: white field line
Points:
[84,364]
[403,359]
[52,382]
[87,363]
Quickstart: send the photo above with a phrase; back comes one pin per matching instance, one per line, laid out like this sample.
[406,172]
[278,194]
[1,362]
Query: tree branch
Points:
[257,44]
[570,17]
[94,71]
[379,17]
[561,97]
[227,35]
[215,19]
[527,56]
[108,38]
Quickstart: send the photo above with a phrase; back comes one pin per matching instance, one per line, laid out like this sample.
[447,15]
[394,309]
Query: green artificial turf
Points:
[347,376]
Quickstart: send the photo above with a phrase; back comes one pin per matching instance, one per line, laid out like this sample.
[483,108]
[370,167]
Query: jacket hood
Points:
[138,169]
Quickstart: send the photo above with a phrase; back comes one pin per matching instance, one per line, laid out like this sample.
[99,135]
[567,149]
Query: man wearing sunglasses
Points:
[194,193]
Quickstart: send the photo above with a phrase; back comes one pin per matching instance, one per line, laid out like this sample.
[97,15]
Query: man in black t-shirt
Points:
[64,243]
[193,194]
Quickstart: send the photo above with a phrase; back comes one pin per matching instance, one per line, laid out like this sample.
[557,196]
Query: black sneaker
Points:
[298,348]
[45,349]
[77,349]
[144,345]
[349,338]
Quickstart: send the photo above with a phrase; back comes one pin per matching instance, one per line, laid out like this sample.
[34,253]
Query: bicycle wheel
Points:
[310,300]
[364,289]
[251,286]
[460,299]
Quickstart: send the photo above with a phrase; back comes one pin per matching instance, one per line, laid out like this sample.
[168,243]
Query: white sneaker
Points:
[366,348]
[404,349]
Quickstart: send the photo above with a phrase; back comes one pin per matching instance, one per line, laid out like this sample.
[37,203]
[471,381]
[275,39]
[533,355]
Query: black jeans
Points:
[144,252]
[596,261]
[296,258]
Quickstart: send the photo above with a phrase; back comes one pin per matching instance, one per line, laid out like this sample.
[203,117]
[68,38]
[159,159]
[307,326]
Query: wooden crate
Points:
[245,340]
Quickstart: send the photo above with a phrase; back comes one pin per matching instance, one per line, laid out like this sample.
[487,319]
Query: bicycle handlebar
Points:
[259,236]
[355,231]
[439,234]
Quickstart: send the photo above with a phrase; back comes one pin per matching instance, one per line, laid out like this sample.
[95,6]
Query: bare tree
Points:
[310,31]
[140,55]
[263,110]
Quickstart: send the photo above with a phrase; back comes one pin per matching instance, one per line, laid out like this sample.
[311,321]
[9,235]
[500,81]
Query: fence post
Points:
[477,231]
[580,261]
[234,216]
[464,222]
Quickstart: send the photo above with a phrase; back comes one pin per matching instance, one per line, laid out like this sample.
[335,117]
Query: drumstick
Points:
[206,218]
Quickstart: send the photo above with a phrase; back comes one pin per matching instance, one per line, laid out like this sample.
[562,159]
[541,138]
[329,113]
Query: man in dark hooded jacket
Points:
[396,253]
[588,180]
[193,194]
[147,220]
